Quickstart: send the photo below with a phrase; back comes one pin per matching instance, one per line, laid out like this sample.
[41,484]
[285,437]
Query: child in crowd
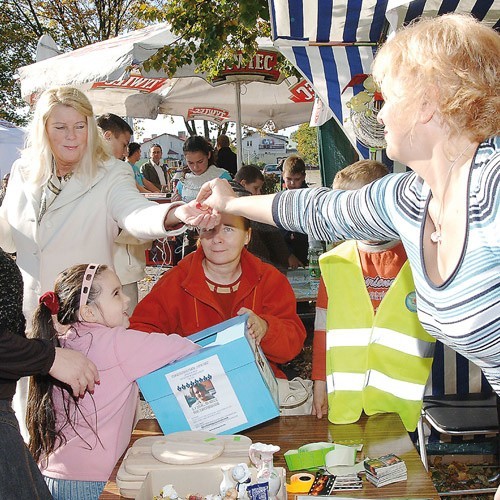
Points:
[267,242]
[378,356]
[251,178]
[78,442]
[294,177]
[200,158]
[294,173]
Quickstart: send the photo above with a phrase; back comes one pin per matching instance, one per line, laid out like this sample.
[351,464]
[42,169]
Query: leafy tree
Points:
[211,34]
[71,23]
[16,49]
[307,143]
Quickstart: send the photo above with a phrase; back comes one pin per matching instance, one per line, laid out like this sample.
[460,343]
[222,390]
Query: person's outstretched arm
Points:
[21,357]
[219,196]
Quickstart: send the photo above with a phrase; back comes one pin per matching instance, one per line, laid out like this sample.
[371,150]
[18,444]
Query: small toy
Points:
[241,474]
[168,491]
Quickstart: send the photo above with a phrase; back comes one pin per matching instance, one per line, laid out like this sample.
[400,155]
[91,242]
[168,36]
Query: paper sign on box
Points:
[225,387]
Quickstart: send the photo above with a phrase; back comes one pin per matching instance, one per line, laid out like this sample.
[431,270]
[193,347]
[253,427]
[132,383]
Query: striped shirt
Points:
[463,312]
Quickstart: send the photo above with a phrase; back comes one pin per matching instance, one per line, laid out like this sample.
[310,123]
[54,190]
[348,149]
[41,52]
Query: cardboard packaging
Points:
[204,482]
[225,387]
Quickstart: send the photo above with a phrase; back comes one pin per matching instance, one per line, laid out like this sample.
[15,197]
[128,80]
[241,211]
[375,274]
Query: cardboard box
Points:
[201,483]
[225,387]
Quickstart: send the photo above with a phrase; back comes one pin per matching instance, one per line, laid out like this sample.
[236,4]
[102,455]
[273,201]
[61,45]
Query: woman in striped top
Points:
[439,79]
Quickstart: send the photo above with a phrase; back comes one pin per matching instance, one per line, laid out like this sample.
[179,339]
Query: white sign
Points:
[206,396]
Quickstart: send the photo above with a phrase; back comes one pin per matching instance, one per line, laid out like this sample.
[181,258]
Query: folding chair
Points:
[459,415]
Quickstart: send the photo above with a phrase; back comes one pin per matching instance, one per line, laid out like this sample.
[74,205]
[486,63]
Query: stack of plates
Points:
[184,453]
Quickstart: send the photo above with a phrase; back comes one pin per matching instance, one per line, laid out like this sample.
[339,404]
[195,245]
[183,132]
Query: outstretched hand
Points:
[196,215]
[215,195]
[204,212]
[74,369]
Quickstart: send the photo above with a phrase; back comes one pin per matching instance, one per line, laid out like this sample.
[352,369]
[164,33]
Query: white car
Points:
[271,168]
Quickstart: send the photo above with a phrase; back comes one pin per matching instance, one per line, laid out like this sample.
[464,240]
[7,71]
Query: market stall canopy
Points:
[110,74]
[332,42]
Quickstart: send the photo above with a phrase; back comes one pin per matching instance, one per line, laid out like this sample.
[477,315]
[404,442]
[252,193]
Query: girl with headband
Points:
[78,442]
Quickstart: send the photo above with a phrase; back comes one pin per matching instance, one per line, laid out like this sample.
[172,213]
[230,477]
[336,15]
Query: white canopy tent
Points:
[111,75]
[11,142]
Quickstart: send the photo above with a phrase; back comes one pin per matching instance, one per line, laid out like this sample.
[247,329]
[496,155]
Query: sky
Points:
[174,124]
[162,124]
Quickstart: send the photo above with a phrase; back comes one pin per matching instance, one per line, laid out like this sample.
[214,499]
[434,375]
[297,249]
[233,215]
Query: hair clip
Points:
[88,278]
[50,301]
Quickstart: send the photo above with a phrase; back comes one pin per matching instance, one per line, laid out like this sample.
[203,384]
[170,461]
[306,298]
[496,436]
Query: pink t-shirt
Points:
[121,356]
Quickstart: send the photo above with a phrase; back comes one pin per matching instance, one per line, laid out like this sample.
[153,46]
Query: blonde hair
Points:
[38,152]
[453,54]
[359,174]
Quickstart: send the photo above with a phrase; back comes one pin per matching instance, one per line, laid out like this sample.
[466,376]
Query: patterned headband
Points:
[88,278]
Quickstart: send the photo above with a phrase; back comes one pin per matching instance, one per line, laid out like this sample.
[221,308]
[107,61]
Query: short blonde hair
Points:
[38,152]
[359,174]
[454,54]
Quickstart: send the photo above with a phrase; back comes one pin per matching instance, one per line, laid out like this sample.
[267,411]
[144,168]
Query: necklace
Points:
[436,236]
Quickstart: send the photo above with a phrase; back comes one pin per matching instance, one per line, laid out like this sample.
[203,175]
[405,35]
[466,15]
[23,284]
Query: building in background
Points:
[258,148]
[266,148]
[171,146]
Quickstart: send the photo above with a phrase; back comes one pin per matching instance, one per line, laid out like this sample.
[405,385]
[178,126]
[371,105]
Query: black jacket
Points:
[228,160]
[19,356]
[149,173]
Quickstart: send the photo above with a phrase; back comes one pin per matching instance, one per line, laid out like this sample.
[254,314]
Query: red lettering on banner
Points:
[133,82]
[301,92]
[216,114]
[263,64]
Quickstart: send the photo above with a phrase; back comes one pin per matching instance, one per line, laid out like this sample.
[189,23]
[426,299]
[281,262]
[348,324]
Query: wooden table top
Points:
[379,434]
[304,287]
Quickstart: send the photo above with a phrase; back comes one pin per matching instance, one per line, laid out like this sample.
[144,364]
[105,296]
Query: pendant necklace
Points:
[436,235]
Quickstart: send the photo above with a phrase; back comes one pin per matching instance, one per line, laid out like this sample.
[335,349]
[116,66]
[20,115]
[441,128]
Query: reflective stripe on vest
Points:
[376,363]
[357,381]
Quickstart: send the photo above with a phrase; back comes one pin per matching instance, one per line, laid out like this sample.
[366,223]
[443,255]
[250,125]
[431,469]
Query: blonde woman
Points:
[67,198]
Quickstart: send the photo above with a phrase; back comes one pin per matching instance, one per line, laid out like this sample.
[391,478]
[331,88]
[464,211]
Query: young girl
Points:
[78,442]
[200,159]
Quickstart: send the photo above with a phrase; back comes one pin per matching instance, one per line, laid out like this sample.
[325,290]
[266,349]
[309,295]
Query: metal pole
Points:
[239,152]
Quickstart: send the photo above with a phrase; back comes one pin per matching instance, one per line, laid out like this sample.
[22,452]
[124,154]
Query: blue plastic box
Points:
[225,387]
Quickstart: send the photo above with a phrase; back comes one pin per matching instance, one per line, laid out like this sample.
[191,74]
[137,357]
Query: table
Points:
[158,197]
[379,434]
[304,287]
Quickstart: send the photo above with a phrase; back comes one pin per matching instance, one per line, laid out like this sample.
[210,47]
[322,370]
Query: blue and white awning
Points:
[331,41]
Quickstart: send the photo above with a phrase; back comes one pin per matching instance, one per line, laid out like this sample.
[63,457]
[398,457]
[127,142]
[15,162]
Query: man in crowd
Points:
[129,257]
[153,170]
[133,156]
[226,158]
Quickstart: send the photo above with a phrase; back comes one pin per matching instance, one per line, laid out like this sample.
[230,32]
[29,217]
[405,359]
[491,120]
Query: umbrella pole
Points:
[239,151]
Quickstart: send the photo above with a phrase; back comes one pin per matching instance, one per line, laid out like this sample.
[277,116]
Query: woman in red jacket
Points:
[221,280]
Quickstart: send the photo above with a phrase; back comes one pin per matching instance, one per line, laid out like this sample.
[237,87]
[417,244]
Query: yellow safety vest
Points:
[374,362]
